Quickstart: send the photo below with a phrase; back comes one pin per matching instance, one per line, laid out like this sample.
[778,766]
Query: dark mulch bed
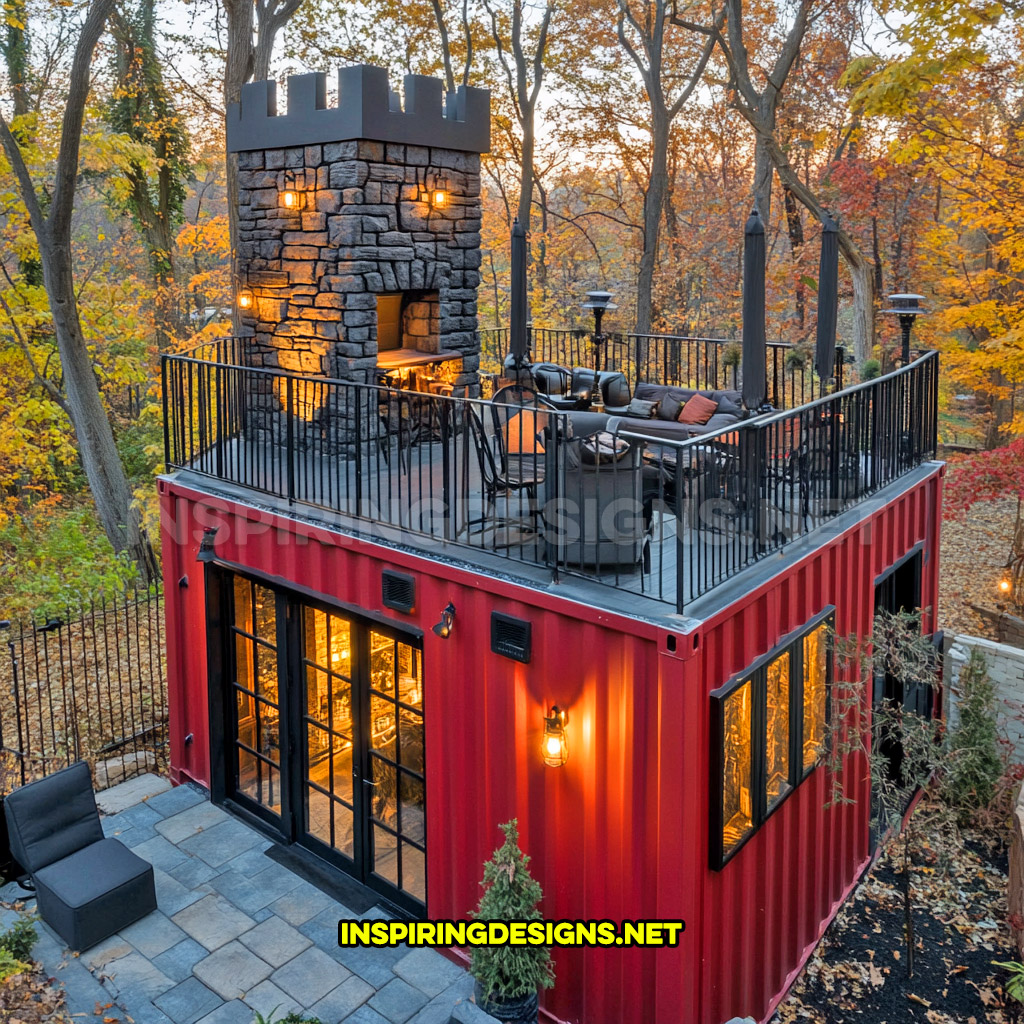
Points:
[858,973]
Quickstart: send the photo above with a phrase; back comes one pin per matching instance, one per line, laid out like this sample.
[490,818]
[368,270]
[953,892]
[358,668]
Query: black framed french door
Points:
[898,589]
[323,732]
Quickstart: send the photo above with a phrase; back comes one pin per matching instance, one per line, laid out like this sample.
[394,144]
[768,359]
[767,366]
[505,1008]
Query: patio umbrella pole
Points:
[755,356]
[828,302]
[518,362]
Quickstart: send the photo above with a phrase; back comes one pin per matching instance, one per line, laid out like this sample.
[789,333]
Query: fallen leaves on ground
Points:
[858,973]
[973,554]
[32,998]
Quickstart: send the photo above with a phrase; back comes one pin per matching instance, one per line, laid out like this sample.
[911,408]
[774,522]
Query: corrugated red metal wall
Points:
[621,831]
[765,910]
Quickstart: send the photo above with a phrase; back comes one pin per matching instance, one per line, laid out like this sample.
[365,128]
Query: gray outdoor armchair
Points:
[87,887]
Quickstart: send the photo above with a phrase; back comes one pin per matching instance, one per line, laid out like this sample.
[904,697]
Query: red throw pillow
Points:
[698,410]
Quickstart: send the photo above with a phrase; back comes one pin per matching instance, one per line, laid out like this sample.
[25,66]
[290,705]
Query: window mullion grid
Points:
[758,747]
[796,710]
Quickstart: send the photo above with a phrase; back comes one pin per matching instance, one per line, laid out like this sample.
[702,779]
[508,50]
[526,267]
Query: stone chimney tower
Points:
[360,225]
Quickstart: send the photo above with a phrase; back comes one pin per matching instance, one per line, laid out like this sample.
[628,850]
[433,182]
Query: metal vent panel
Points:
[398,591]
[511,637]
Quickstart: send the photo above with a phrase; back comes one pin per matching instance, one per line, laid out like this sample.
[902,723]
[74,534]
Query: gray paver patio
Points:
[310,976]
[276,941]
[236,933]
[232,971]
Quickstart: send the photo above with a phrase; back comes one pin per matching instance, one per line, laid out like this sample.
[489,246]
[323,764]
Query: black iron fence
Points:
[746,492]
[689,362]
[86,684]
[669,519]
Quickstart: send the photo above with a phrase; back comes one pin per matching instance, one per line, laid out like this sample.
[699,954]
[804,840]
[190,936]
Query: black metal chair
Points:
[399,423]
[87,887]
[497,478]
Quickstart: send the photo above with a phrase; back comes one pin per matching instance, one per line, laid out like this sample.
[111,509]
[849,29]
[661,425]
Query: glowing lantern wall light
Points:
[556,743]
[290,197]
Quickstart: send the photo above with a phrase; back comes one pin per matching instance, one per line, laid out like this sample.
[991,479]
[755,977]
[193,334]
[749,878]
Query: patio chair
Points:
[595,511]
[399,423]
[87,887]
[497,476]
[552,381]
[519,415]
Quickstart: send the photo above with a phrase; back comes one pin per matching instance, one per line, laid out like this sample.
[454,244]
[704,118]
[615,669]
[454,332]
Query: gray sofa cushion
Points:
[95,892]
[730,410]
[53,817]
[640,409]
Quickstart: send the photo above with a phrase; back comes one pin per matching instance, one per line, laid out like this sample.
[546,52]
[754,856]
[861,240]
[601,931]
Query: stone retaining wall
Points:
[1006,670]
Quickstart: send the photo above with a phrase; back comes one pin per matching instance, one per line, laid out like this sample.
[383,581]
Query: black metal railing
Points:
[680,360]
[749,491]
[86,684]
[444,472]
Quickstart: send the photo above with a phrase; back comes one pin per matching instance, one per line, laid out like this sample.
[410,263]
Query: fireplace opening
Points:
[409,329]
[410,319]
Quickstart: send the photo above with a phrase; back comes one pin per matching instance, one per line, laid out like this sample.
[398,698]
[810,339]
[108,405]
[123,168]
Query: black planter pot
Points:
[520,1010]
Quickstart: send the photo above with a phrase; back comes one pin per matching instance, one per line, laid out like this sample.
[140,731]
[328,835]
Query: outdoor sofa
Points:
[664,424]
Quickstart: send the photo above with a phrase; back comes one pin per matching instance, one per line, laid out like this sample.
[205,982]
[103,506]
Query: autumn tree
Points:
[51,225]
[143,110]
[521,56]
[641,31]
[951,86]
[759,107]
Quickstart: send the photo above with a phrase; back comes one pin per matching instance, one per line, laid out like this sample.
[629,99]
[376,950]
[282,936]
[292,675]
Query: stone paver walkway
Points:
[236,933]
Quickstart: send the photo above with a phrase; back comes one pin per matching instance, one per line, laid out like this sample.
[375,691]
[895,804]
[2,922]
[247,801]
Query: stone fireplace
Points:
[359,226]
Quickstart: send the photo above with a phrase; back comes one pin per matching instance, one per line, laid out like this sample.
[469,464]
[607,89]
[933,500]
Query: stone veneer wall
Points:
[360,230]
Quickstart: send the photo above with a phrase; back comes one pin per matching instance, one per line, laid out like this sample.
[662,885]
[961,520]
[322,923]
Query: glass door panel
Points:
[323,720]
[328,726]
[254,682]
[395,776]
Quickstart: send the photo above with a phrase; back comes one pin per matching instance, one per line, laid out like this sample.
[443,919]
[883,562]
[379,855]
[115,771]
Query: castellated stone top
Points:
[367,109]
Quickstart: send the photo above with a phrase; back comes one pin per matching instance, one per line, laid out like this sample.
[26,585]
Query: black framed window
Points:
[768,731]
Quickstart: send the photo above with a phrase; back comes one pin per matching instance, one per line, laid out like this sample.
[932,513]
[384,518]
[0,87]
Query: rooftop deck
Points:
[662,522]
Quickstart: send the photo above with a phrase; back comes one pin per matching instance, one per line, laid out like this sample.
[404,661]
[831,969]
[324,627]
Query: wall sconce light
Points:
[435,194]
[245,298]
[1005,585]
[444,628]
[291,197]
[206,550]
[556,744]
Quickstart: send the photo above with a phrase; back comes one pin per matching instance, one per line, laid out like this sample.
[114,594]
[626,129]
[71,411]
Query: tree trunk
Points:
[763,180]
[908,916]
[526,172]
[15,51]
[100,459]
[863,277]
[654,206]
[795,226]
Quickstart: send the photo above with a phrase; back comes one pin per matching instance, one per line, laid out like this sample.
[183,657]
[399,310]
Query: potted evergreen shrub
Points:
[507,977]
